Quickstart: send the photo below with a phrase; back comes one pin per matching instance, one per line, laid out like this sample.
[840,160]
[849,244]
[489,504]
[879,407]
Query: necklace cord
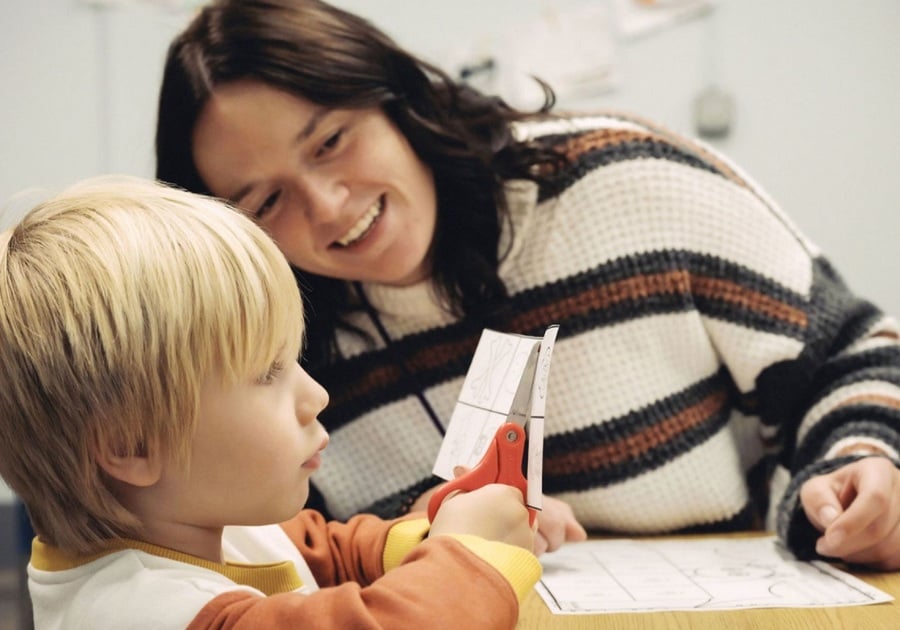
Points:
[392,350]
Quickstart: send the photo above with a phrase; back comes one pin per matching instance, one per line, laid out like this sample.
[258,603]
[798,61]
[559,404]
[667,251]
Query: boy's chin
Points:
[302,499]
[297,505]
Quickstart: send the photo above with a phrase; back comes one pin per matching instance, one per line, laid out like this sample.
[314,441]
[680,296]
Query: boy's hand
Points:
[857,507]
[556,522]
[494,512]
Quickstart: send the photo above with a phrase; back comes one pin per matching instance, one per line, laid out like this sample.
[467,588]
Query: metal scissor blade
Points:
[520,409]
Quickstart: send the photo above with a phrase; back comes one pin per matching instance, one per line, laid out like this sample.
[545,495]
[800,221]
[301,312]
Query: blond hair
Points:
[119,298]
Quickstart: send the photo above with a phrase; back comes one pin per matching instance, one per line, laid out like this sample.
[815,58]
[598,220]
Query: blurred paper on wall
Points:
[572,51]
[174,5]
[641,17]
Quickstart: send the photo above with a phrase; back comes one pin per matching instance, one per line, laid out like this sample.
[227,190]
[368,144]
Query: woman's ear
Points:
[140,468]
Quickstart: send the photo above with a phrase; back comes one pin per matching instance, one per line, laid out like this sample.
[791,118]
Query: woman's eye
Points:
[329,144]
[267,205]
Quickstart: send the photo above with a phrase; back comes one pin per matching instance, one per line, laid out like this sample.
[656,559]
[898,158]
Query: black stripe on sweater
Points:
[878,364]
[881,423]
[593,149]
[638,442]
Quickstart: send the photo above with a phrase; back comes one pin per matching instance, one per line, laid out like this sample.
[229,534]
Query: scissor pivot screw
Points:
[511,436]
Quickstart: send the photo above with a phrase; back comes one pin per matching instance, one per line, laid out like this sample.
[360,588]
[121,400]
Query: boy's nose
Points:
[311,398]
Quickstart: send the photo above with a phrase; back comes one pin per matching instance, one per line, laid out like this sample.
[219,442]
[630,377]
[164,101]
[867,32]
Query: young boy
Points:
[157,425]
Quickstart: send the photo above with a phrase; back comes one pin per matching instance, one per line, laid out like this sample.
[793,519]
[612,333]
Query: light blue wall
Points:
[817,84]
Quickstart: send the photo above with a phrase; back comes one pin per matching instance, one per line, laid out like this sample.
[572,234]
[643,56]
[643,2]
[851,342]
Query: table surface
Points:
[534,614]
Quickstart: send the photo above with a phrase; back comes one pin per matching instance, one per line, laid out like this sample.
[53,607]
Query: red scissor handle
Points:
[502,463]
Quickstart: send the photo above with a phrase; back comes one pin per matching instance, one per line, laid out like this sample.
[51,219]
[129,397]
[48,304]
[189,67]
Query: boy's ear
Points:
[139,469]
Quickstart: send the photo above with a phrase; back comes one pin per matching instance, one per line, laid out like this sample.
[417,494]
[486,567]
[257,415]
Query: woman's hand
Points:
[556,525]
[857,507]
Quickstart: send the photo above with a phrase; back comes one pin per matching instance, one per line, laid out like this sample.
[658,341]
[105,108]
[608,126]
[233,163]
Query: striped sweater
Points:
[709,359]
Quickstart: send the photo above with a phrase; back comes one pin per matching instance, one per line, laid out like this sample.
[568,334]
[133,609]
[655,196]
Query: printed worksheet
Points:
[625,575]
[506,381]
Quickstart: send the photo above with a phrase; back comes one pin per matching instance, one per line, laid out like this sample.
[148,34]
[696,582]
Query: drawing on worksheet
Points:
[506,380]
[625,575]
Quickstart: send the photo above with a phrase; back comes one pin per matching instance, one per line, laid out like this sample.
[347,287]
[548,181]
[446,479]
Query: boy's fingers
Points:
[459,471]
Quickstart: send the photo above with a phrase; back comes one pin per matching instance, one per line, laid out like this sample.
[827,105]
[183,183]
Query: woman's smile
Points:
[363,226]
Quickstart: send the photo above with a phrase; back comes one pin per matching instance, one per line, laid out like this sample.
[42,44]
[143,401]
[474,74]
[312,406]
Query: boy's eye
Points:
[329,144]
[272,373]
[267,205]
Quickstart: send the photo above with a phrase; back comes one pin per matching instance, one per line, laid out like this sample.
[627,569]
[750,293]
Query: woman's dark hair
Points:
[337,59]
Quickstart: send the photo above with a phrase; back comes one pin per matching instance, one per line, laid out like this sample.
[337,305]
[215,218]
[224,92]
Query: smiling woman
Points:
[340,190]
[708,352]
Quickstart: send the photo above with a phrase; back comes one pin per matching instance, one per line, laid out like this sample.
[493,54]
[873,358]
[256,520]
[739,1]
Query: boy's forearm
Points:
[446,581]
[442,586]
[333,550]
[364,548]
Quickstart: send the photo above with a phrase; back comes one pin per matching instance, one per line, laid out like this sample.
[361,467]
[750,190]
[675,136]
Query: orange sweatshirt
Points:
[366,573]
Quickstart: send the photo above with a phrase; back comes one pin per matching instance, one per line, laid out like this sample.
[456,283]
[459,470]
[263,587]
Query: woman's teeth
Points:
[362,227]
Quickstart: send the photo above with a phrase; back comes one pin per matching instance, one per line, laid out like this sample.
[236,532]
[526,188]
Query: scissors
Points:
[502,462]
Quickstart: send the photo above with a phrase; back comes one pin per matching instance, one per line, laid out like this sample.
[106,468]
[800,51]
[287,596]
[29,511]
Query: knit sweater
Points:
[709,359]
[305,573]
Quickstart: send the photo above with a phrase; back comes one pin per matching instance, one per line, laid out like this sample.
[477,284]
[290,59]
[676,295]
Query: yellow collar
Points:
[272,578]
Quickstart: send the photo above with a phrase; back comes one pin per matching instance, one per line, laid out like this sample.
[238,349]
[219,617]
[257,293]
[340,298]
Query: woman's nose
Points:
[324,195]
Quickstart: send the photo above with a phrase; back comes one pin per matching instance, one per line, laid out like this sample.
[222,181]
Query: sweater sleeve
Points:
[818,364]
[838,400]
[443,582]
